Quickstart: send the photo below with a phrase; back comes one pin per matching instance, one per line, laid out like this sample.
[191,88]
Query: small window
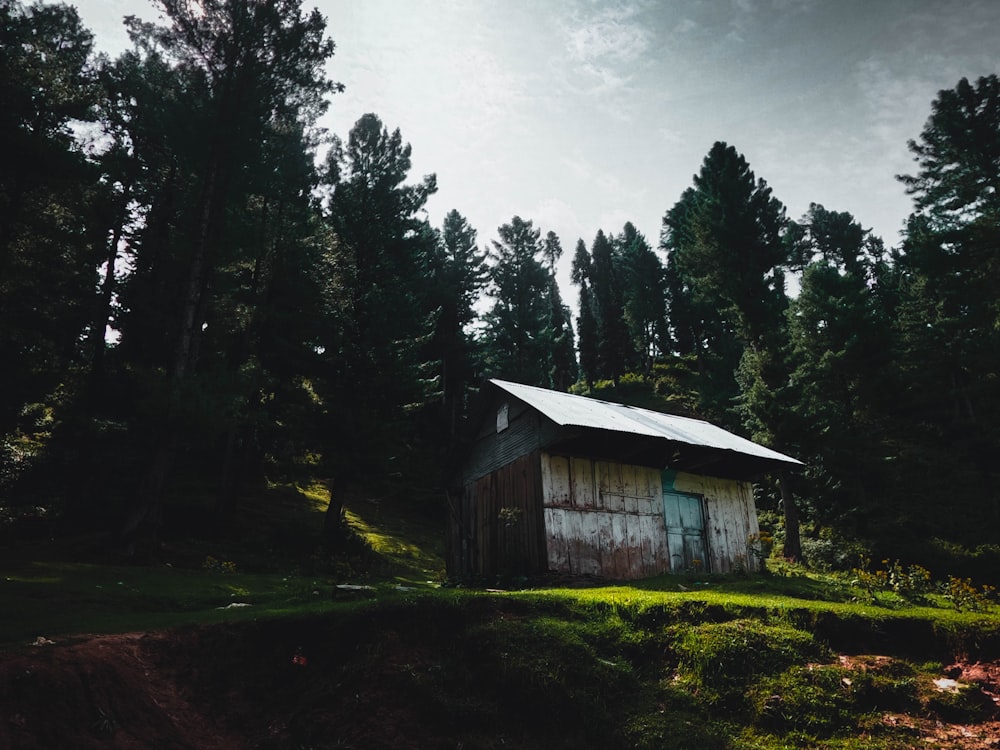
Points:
[502,422]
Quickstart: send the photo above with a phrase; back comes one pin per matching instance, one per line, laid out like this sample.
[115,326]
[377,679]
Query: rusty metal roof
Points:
[566,409]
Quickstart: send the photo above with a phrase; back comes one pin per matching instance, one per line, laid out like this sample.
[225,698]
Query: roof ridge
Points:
[567,394]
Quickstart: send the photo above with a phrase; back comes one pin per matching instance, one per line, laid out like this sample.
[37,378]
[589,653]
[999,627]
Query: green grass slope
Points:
[279,642]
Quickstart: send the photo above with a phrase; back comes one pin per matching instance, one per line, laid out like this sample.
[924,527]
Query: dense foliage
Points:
[199,288]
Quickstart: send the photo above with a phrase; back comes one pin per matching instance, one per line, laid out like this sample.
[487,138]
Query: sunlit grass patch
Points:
[410,545]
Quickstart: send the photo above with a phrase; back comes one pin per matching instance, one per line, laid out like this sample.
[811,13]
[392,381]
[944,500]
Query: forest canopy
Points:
[199,285]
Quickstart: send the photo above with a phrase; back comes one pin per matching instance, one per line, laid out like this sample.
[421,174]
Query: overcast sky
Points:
[584,114]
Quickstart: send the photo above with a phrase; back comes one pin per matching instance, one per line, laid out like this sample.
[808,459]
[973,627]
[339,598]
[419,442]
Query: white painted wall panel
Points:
[731,519]
[556,539]
[584,487]
[603,518]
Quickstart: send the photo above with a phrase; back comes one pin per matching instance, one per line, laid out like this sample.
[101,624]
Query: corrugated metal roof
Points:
[566,409]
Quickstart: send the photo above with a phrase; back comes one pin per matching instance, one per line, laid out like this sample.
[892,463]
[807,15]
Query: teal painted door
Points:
[685,520]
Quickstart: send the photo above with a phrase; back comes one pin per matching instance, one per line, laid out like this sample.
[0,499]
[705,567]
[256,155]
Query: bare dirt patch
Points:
[104,692]
[934,732]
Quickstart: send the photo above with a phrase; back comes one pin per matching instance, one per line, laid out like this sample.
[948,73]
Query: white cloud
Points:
[612,34]
[605,43]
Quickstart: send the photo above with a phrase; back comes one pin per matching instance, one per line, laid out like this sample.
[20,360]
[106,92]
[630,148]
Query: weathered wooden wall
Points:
[606,518]
[603,518]
[730,519]
[522,510]
[497,524]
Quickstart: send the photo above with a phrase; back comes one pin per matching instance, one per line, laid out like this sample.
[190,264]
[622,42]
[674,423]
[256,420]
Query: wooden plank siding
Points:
[500,523]
[543,512]
[730,519]
[493,448]
[603,518]
[607,518]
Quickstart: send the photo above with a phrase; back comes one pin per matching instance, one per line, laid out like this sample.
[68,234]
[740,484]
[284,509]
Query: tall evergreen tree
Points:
[949,307]
[727,236]
[951,241]
[239,72]
[459,273]
[641,273]
[587,321]
[725,272]
[563,370]
[385,253]
[840,362]
[615,354]
[517,336]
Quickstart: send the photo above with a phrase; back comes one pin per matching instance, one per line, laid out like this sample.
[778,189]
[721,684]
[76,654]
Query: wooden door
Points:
[685,520]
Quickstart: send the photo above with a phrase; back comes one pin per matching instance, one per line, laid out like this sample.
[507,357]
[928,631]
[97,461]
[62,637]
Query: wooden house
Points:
[554,482]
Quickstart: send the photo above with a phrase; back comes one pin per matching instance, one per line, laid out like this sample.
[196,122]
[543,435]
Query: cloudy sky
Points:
[584,114]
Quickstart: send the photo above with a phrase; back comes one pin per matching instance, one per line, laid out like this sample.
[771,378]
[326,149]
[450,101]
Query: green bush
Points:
[911,583]
[966,597]
[961,703]
[830,551]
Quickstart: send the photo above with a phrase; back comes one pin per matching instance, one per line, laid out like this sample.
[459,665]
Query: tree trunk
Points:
[334,518]
[143,519]
[140,527]
[793,541]
[103,314]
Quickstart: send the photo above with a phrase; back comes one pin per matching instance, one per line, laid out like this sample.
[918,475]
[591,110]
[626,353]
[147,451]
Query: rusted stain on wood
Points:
[606,518]
[588,517]
[603,518]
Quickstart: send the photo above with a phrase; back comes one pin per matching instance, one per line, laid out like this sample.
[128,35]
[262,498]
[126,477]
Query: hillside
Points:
[784,661]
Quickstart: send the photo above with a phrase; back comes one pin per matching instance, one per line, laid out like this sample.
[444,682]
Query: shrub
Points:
[966,597]
[830,551]
[824,699]
[911,583]
[959,703]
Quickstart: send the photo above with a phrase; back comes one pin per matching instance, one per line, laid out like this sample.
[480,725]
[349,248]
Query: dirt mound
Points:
[106,692]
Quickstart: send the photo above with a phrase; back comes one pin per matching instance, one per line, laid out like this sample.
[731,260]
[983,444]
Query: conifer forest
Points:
[201,291]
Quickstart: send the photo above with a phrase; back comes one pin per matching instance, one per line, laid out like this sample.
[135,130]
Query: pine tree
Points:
[951,241]
[615,354]
[643,292]
[725,272]
[728,247]
[587,322]
[517,339]
[385,269]
[948,313]
[839,361]
[238,74]
[563,370]
[459,274]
